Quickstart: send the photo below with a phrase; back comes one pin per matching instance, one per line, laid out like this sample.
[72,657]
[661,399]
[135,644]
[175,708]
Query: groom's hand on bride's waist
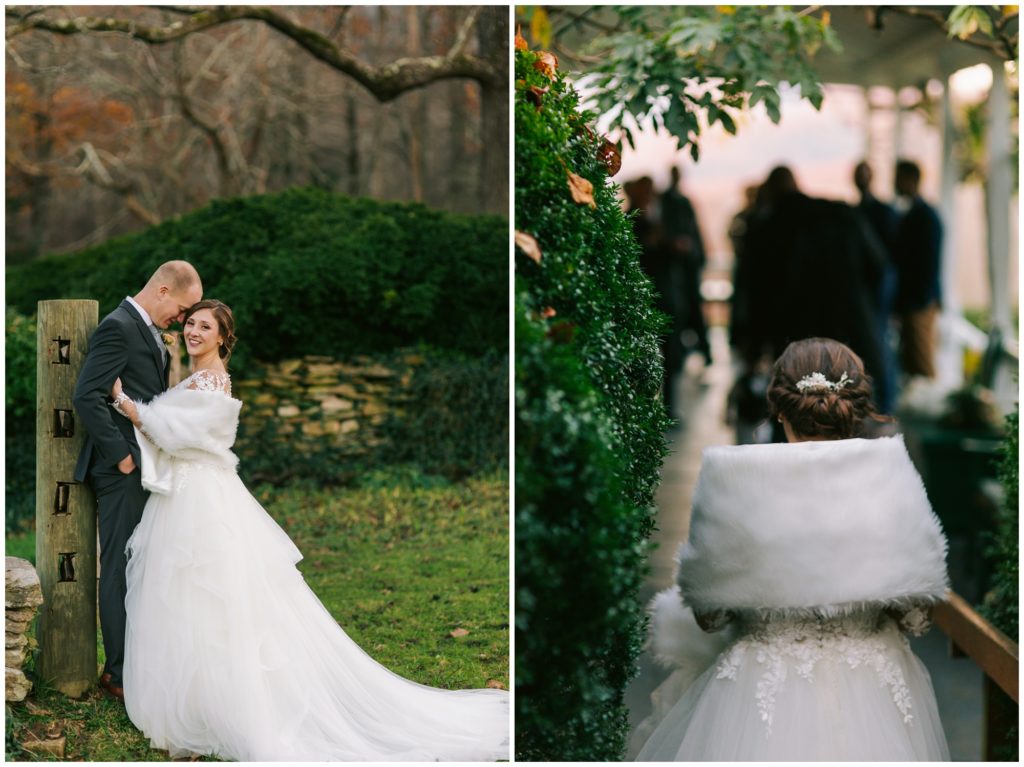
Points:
[126,465]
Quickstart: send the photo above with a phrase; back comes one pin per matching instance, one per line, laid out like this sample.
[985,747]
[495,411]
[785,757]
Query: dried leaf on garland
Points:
[608,154]
[528,244]
[535,95]
[582,190]
[521,44]
[546,63]
[562,332]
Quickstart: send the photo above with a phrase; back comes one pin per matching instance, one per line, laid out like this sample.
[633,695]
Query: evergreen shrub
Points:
[1002,603]
[309,272]
[589,432]
[456,423]
[20,420]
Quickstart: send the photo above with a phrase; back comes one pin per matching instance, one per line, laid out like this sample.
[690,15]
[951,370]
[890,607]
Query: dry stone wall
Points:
[316,399]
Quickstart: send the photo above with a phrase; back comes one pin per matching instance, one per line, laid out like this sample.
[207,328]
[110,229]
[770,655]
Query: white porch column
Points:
[869,114]
[947,202]
[998,188]
[949,355]
[897,138]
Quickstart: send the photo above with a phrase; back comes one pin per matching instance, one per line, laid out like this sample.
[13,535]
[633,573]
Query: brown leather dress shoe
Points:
[111,689]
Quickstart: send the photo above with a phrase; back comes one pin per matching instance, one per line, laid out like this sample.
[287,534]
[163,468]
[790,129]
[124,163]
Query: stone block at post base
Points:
[22,596]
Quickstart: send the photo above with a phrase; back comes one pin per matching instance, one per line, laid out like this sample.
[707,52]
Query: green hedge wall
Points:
[310,272]
[1002,603]
[20,420]
[589,435]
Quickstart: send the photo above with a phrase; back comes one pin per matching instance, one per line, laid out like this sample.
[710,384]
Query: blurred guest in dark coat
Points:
[883,220]
[739,304]
[658,261]
[682,237]
[917,253]
[814,271]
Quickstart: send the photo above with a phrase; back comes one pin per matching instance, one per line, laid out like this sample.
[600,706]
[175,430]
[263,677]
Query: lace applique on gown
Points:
[841,688]
[208,380]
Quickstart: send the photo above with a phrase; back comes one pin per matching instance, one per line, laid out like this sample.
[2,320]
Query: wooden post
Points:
[65,509]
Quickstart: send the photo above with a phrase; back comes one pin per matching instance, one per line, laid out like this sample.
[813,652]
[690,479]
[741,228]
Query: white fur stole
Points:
[188,424]
[825,526]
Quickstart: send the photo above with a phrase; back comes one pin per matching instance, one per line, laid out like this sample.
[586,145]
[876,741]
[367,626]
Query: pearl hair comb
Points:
[816,382]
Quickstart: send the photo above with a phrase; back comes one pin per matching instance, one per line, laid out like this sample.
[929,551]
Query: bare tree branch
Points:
[384,82]
[462,36]
[93,170]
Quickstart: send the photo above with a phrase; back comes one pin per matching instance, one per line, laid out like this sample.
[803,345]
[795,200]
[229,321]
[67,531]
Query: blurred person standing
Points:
[658,262]
[815,268]
[682,238]
[917,253]
[739,305]
[883,221]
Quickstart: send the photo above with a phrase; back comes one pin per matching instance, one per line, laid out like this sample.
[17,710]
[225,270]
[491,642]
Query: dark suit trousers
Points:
[120,499]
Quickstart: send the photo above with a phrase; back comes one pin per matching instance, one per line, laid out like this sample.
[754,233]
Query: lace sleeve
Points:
[209,380]
[120,402]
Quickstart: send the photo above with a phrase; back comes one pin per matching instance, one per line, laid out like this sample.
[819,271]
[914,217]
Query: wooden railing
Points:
[996,654]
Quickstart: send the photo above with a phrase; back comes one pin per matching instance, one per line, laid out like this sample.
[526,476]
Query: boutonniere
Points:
[169,339]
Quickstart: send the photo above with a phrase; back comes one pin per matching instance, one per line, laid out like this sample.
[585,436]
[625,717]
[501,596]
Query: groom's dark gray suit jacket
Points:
[122,346]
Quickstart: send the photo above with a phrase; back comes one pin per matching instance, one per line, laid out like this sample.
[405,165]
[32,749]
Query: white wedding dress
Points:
[842,688]
[807,562]
[228,651]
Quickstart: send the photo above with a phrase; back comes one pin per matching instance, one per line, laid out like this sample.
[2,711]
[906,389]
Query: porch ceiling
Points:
[905,50]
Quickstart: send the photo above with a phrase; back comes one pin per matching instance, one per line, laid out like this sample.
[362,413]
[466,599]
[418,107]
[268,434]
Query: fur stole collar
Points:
[819,526]
[187,424]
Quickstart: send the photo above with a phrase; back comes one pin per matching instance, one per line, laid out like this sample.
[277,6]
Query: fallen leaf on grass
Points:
[494,684]
[459,632]
[582,190]
[54,747]
[34,708]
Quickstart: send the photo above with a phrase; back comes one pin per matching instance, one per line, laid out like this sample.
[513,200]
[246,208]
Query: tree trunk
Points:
[492,34]
[352,169]
[414,107]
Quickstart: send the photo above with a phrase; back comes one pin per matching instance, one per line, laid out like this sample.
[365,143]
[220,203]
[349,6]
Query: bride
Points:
[806,563]
[228,652]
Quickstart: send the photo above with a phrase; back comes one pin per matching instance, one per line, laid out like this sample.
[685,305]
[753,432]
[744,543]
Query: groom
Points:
[126,345]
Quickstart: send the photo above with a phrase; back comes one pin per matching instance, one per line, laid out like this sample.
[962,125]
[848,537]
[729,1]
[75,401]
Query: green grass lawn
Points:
[401,562]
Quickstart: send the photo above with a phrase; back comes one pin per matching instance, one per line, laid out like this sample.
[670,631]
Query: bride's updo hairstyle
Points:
[225,323]
[809,390]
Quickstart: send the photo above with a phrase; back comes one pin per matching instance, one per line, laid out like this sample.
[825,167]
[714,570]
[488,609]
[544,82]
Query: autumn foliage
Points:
[589,427]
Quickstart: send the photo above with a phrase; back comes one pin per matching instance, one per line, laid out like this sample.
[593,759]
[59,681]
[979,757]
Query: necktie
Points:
[159,342]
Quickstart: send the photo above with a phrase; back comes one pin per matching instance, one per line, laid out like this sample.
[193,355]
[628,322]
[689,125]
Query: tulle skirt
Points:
[844,689]
[228,652]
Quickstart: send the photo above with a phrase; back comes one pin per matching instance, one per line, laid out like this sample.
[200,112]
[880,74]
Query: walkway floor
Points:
[701,398]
